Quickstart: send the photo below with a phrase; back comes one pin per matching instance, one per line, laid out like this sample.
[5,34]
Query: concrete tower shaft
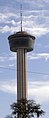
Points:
[21,42]
[21,74]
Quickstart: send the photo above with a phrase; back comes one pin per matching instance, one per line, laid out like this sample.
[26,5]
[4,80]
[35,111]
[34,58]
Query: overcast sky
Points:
[36,22]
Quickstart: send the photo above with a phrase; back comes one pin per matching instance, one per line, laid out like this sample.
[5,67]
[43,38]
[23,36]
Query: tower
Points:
[21,42]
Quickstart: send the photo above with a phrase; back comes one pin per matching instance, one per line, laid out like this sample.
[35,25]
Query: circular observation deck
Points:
[21,40]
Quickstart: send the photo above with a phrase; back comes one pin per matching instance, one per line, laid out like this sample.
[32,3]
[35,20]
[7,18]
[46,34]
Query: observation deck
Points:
[21,40]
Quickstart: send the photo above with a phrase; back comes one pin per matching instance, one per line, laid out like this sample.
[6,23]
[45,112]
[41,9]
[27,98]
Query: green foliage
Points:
[26,109]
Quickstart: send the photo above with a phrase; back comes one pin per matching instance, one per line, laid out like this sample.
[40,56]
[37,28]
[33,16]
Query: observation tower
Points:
[21,43]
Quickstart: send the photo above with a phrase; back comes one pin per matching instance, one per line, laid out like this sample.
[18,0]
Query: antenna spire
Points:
[21,13]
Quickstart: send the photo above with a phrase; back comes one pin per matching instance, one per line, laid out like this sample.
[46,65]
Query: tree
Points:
[26,109]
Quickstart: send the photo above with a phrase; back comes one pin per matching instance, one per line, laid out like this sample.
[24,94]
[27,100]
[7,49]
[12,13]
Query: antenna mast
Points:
[21,13]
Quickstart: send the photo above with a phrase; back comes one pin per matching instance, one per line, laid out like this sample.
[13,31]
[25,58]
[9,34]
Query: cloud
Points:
[38,90]
[12,56]
[34,56]
[10,29]
[37,31]
[2,58]
[36,2]
[7,61]
[31,56]
[7,87]
[6,58]
[6,16]
[11,65]
[35,22]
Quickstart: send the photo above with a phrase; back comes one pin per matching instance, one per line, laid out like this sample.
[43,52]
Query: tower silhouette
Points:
[21,43]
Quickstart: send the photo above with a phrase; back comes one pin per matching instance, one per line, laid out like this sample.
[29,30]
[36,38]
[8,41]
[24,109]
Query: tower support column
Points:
[22,90]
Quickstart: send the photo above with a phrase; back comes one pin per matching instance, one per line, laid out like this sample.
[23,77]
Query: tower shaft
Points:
[21,74]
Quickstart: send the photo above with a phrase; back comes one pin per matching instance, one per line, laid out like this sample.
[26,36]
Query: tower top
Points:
[21,40]
[21,34]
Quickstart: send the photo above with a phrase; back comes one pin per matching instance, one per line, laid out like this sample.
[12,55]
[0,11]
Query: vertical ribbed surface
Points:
[21,74]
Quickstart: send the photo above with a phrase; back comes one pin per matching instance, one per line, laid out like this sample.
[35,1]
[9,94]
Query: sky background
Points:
[36,22]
